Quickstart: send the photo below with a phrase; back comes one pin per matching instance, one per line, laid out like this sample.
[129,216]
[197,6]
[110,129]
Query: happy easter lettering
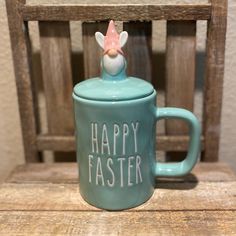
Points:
[110,158]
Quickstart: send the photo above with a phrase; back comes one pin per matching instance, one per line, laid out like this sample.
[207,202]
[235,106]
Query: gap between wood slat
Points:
[122,12]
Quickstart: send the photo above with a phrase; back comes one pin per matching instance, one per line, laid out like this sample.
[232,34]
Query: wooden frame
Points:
[123,12]
[19,42]
[213,88]
[61,138]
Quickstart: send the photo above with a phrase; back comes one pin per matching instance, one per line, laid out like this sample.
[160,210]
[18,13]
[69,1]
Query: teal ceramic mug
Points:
[116,118]
[116,150]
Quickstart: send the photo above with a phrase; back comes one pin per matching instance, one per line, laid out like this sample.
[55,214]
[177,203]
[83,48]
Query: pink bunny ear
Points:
[112,39]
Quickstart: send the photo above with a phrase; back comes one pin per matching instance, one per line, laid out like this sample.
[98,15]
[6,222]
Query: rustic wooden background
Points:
[57,72]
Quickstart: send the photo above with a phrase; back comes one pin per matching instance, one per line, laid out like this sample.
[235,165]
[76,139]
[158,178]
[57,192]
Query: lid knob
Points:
[113,62]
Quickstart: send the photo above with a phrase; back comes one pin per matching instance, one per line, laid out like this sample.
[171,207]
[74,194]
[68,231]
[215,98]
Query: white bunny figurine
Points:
[113,62]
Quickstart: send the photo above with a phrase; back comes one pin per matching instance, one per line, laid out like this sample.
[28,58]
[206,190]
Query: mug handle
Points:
[185,166]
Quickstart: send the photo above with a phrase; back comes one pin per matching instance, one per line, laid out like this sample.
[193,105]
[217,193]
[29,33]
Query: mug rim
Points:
[136,100]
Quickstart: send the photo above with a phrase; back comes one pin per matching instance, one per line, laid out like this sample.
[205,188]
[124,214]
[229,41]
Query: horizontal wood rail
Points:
[122,12]
[67,143]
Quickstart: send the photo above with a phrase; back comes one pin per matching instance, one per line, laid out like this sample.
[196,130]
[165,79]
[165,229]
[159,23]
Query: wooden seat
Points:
[44,199]
[40,198]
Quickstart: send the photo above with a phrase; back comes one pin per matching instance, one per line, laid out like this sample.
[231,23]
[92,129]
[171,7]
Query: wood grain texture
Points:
[68,173]
[57,76]
[21,58]
[45,205]
[180,75]
[167,197]
[120,12]
[138,50]
[213,86]
[120,2]
[118,223]
[67,143]
[91,50]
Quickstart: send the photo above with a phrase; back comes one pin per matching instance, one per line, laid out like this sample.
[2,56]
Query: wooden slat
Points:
[118,223]
[180,74]
[68,173]
[91,50]
[138,50]
[213,86]
[67,143]
[57,76]
[56,143]
[120,12]
[167,197]
[20,51]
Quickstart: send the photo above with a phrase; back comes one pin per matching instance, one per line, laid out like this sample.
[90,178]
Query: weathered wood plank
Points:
[68,173]
[91,2]
[91,50]
[57,76]
[138,50]
[180,75]
[167,196]
[21,59]
[67,143]
[118,223]
[213,84]
[120,12]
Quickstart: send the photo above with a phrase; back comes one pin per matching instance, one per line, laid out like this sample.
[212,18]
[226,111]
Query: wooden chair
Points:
[57,72]
[38,194]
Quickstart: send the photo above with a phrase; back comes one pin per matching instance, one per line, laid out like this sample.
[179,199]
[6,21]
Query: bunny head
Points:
[113,60]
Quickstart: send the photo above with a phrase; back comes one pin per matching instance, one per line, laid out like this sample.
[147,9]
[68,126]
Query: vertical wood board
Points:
[213,87]
[20,51]
[57,76]
[180,73]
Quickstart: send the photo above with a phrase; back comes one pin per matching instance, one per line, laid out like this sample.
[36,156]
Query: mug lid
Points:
[113,84]
[113,90]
